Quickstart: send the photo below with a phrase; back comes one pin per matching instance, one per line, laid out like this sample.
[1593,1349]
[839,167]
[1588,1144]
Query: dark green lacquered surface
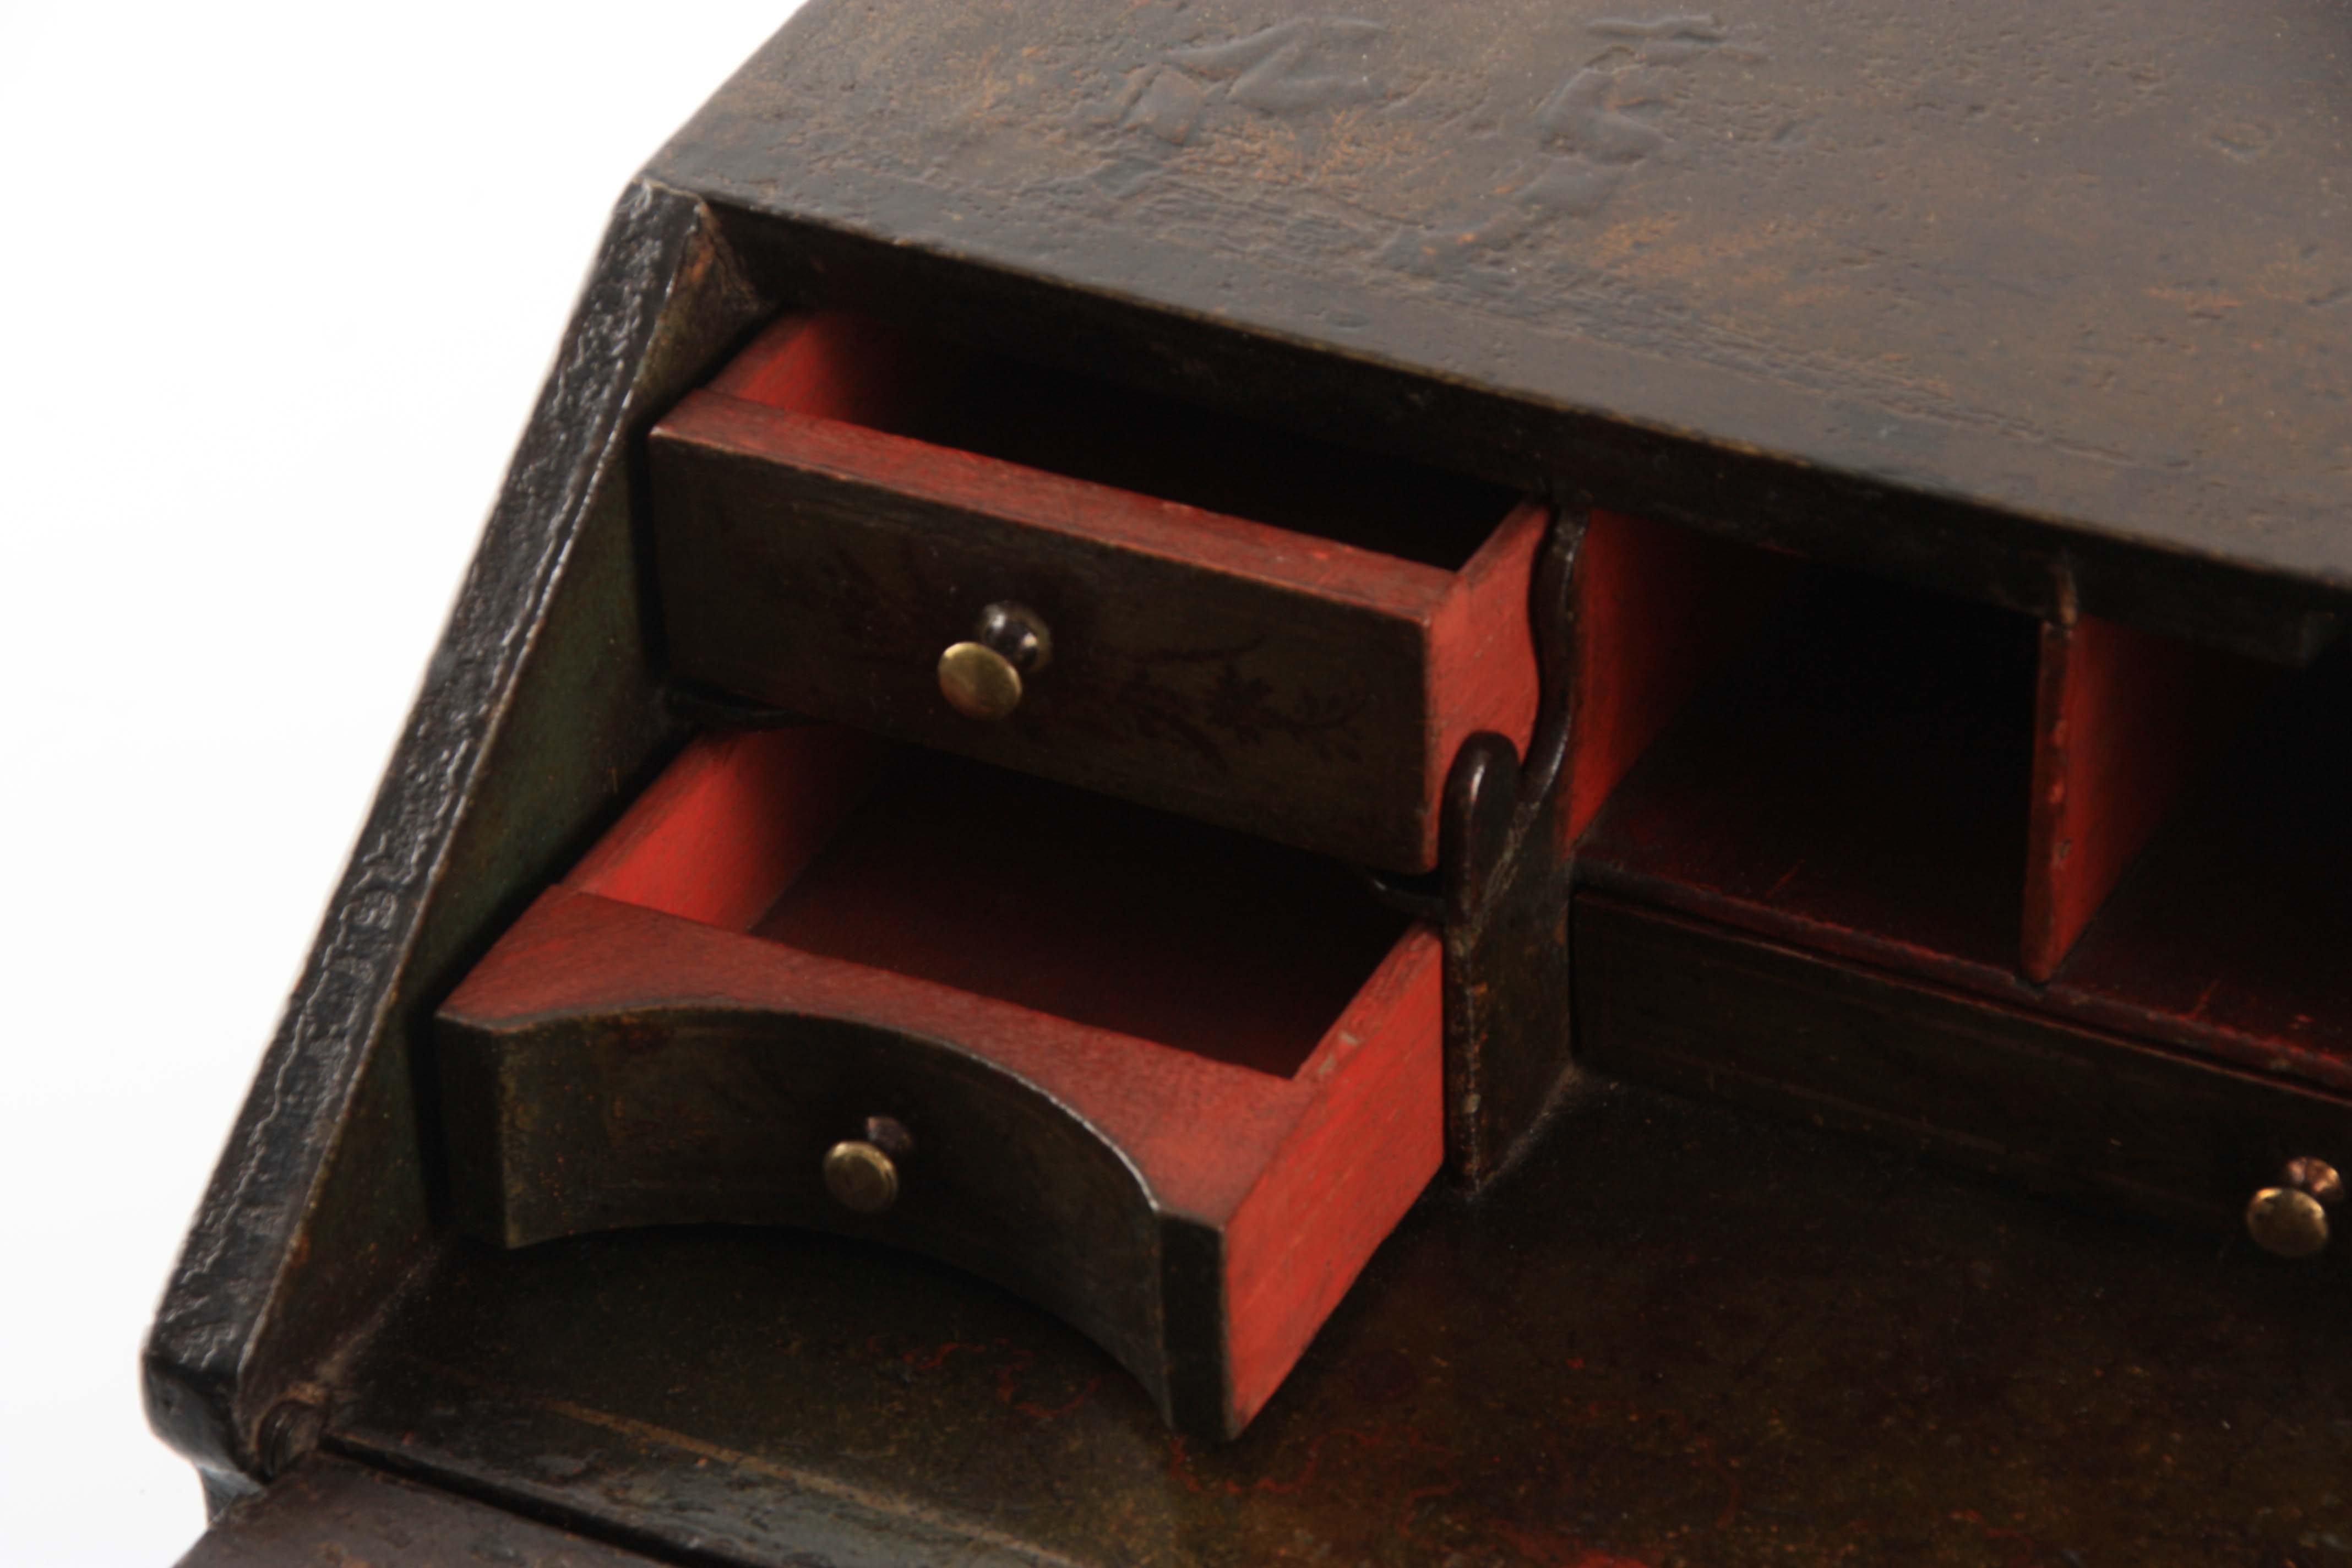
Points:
[1678,1336]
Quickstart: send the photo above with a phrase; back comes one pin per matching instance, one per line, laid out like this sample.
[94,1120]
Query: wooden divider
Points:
[1658,610]
[2232,936]
[2123,719]
[1853,783]
[1848,778]
[1865,775]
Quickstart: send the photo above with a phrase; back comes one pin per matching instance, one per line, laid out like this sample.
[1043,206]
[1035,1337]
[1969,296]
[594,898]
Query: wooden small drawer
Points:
[1253,629]
[1172,1083]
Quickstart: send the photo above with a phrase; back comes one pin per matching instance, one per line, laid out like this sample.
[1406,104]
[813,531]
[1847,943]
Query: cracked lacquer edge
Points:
[223,1299]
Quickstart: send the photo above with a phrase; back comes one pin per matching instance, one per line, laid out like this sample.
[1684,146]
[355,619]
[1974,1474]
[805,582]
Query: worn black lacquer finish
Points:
[538,714]
[1672,1335]
[1507,905]
[2052,311]
[1690,1006]
[330,1513]
[648,1118]
[1977,298]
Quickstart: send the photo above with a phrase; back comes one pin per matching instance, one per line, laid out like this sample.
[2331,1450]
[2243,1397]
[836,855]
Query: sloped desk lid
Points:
[2070,283]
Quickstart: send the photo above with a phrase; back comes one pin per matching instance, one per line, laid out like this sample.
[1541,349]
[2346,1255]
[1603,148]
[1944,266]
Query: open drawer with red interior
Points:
[2065,898]
[1124,593]
[1172,1083]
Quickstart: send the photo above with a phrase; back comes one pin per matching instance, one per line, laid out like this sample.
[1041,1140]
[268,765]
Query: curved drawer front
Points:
[789,989]
[700,1114]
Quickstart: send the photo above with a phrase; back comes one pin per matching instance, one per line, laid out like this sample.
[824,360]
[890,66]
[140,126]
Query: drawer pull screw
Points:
[982,678]
[861,1174]
[2291,1219]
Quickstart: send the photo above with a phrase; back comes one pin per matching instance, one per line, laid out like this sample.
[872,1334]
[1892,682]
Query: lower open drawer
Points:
[1172,1084]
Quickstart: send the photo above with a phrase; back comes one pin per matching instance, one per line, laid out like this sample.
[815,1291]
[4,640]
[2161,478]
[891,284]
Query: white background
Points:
[278,283]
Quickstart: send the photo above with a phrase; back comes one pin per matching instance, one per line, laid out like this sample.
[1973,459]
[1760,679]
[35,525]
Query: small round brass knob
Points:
[2291,1219]
[982,678]
[861,1177]
[979,682]
[2288,1223]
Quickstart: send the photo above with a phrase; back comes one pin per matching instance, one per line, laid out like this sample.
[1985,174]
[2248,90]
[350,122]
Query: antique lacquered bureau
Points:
[1506,783]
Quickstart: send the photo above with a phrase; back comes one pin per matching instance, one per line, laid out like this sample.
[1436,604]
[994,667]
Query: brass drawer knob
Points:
[861,1174]
[982,678]
[861,1177]
[2291,1219]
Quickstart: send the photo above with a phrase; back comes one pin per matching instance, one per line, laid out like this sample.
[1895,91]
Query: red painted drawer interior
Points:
[2232,931]
[1174,1084]
[1251,628]
[1856,780]
[2077,818]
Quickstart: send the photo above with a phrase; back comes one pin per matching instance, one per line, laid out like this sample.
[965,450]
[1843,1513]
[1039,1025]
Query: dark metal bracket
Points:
[1506,875]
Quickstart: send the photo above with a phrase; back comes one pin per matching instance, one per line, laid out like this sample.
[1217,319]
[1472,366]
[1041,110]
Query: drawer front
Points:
[608,1066]
[1187,1144]
[1710,1011]
[717,1114]
[1287,685]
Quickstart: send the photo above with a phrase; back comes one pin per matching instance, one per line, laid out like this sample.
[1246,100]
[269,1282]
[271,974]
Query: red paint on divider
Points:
[2123,719]
[1657,611]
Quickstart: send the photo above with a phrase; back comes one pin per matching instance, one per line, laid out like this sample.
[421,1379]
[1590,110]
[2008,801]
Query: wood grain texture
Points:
[2123,719]
[1291,685]
[611,1063]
